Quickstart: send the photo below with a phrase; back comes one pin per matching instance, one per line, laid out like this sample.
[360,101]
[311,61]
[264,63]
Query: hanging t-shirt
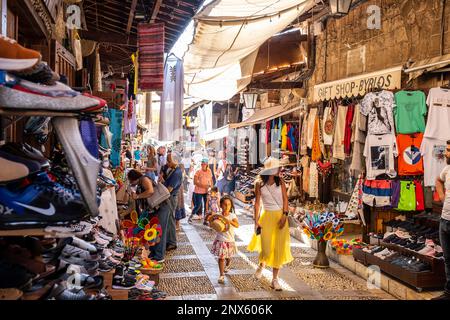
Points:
[438,114]
[316,153]
[433,152]
[304,136]
[410,111]
[339,134]
[407,200]
[327,138]
[420,196]
[305,177]
[310,129]
[292,144]
[410,161]
[378,106]
[379,152]
[284,133]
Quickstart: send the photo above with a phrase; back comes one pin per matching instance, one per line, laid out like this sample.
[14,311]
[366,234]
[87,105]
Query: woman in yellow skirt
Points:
[274,242]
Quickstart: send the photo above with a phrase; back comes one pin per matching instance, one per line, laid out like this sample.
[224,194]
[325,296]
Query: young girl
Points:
[212,204]
[224,246]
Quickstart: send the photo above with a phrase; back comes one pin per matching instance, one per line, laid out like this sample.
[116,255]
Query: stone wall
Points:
[410,31]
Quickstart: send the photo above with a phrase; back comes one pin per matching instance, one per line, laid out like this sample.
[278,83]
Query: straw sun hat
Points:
[218,223]
[272,166]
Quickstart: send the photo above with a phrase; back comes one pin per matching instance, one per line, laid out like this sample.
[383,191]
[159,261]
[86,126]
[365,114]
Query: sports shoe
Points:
[78,229]
[84,166]
[39,205]
[145,285]
[40,73]
[15,98]
[221,280]
[276,285]
[71,251]
[87,267]
[15,167]
[100,240]
[27,152]
[259,271]
[84,245]
[15,57]
[123,284]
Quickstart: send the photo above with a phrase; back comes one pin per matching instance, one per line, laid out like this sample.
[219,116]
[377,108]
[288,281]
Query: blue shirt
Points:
[175,180]
[137,155]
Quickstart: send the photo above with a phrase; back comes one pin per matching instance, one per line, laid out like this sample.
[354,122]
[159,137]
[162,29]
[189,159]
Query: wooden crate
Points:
[115,294]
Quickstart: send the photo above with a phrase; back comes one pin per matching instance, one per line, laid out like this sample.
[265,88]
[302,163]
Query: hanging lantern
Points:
[340,7]
[250,100]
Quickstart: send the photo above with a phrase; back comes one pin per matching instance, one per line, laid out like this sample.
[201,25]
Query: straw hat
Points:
[218,223]
[272,166]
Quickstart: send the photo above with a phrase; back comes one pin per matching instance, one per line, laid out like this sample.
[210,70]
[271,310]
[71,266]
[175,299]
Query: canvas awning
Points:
[388,79]
[219,62]
[217,134]
[435,64]
[267,114]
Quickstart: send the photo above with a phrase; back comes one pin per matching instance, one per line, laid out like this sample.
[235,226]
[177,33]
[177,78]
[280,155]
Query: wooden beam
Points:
[278,85]
[131,16]
[111,37]
[155,10]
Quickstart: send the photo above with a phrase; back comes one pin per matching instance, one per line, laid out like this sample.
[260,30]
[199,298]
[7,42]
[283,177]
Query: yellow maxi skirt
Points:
[273,244]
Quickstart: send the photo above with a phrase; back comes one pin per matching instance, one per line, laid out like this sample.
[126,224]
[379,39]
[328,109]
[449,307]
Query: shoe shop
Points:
[209,150]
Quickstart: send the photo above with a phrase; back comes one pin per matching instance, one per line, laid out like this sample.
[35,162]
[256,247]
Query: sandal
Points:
[150,265]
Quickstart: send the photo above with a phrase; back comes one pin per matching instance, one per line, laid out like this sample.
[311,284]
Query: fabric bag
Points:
[160,194]
[293,191]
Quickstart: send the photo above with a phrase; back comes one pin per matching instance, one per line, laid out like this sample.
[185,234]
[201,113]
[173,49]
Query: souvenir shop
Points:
[385,147]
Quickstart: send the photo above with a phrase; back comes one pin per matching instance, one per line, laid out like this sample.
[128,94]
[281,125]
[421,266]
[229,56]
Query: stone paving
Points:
[191,272]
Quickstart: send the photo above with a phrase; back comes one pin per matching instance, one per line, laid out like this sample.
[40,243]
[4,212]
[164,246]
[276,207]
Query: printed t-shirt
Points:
[410,111]
[433,152]
[438,114]
[407,196]
[379,152]
[327,138]
[204,177]
[445,176]
[378,107]
[410,161]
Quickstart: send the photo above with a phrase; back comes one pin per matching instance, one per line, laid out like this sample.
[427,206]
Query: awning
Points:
[267,114]
[428,65]
[217,134]
[388,79]
[220,60]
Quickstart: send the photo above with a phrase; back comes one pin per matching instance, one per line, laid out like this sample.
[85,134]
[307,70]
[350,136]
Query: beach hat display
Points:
[272,166]
[218,223]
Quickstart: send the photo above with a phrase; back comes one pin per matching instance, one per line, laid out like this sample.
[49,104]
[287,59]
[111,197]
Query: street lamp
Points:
[340,7]
[250,100]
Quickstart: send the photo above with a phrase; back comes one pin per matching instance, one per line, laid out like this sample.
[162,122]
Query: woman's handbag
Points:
[160,194]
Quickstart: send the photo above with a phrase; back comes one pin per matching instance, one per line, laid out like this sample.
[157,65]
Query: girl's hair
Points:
[214,189]
[264,179]
[152,151]
[226,197]
[134,175]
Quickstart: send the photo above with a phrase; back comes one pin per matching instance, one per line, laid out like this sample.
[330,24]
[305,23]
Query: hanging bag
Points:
[160,194]
[293,191]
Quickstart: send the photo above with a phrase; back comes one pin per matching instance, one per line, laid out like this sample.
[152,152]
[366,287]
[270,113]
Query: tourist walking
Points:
[152,163]
[443,189]
[224,246]
[272,237]
[202,181]
[172,178]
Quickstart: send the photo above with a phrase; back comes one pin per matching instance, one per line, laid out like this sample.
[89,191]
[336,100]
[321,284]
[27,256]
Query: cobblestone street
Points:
[191,272]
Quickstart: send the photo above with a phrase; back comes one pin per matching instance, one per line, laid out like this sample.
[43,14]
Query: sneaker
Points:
[71,251]
[84,245]
[123,284]
[17,167]
[145,285]
[39,205]
[259,271]
[15,57]
[276,285]
[24,150]
[85,167]
[40,73]
[221,280]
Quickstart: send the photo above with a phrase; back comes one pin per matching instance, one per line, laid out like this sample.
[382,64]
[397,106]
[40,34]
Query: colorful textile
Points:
[223,249]
[407,196]
[115,126]
[151,56]
[377,193]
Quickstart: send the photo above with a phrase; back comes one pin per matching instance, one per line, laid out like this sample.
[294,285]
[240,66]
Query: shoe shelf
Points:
[418,280]
[28,232]
[115,294]
[412,253]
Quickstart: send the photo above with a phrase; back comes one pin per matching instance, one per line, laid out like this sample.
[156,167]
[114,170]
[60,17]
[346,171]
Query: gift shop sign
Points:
[389,79]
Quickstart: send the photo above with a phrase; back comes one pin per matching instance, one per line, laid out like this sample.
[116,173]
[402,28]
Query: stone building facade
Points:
[410,31]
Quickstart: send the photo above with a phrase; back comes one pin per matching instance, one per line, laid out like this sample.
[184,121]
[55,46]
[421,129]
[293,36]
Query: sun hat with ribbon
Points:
[272,166]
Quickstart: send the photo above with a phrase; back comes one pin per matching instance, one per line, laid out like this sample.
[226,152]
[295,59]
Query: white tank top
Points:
[272,197]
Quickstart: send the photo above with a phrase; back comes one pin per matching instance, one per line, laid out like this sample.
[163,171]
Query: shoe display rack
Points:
[418,280]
